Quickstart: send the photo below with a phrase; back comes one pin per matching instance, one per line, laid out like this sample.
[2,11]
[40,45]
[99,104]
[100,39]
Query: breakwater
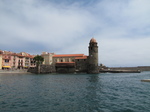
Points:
[138,69]
[141,68]
[119,71]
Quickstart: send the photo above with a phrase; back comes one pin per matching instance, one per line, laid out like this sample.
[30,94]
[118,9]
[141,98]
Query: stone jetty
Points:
[145,80]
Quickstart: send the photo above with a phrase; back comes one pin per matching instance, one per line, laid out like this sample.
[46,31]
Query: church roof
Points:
[93,40]
[84,57]
[69,55]
[64,62]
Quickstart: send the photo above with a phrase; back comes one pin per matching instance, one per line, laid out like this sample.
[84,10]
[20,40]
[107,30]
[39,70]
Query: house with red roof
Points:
[10,60]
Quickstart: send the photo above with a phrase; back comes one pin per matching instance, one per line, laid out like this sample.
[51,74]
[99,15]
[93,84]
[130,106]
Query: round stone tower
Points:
[93,57]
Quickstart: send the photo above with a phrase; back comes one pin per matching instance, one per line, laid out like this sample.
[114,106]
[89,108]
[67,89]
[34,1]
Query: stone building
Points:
[78,62]
[81,64]
[93,57]
[69,62]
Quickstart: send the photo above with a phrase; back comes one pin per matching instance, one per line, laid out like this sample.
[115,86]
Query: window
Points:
[6,60]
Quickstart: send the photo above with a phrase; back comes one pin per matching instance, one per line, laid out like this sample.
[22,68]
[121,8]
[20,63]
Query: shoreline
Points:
[14,71]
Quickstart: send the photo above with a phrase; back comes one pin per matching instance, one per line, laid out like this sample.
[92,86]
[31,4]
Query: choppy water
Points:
[75,92]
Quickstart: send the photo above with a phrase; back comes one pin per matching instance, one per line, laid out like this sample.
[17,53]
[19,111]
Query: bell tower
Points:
[93,57]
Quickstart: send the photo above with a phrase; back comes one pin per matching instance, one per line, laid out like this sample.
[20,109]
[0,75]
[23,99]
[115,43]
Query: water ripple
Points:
[74,93]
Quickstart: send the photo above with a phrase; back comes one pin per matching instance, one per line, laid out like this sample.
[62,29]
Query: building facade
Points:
[48,58]
[0,61]
[10,60]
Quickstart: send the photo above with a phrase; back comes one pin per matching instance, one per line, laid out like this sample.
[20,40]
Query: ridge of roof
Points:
[85,57]
[69,55]
[65,62]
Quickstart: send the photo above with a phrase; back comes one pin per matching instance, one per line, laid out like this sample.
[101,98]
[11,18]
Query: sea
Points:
[104,92]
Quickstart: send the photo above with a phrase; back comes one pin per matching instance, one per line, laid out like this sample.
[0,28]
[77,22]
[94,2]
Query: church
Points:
[69,63]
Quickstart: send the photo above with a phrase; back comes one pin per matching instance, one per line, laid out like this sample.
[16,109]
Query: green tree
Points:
[38,59]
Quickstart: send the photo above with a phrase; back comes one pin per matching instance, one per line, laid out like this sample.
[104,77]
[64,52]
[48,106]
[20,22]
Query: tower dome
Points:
[93,40]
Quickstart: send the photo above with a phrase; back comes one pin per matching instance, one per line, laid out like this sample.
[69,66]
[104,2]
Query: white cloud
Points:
[45,24]
[120,27]
[123,52]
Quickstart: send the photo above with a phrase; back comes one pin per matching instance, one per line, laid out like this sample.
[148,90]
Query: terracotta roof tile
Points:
[85,57]
[65,62]
[69,55]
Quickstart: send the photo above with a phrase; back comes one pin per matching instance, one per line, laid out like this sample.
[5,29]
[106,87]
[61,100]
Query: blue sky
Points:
[121,28]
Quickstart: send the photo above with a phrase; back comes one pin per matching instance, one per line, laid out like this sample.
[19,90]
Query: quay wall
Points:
[42,69]
[52,69]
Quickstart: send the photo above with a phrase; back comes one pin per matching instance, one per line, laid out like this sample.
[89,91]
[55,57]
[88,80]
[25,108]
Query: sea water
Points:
[106,92]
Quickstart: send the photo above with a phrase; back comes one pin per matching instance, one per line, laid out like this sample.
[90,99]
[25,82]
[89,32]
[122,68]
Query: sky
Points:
[121,28]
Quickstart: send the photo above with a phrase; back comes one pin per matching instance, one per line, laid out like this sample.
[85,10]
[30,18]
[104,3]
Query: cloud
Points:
[124,52]
[44,24]
[122,28]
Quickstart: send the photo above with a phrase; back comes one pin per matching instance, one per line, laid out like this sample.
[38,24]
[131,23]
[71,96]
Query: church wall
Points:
[63,59]
[65,69]
[81,65]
